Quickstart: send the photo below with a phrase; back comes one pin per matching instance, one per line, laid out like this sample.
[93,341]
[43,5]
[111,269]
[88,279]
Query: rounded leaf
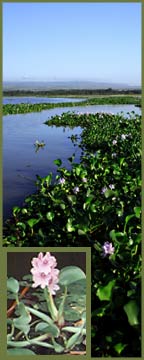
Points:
[132,311]
[20,352]
[105,292]
[13,285]
[70,274]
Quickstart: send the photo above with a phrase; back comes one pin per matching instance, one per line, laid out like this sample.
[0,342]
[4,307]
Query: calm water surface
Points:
[20,161]
[37,100]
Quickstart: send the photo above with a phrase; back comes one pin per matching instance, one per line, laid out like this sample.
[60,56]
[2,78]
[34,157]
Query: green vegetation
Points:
[27,108]
[71,92]
[96,203]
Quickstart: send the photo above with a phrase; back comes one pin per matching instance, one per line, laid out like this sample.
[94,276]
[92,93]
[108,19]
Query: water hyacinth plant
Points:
[56,319]
[27,108]
[102,212]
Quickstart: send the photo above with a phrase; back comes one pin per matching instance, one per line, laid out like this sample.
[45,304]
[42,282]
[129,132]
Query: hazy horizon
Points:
[64,84]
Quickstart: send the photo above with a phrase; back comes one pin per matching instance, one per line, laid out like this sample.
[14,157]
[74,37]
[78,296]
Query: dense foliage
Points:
[27,108]
[95,203]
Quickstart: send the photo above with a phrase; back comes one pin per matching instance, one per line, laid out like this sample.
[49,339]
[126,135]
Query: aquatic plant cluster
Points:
[54,317]
[27,108]
[96,203]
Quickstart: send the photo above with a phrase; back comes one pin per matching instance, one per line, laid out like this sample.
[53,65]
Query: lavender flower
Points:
[61,181]
[84,180]
[111,186]
[108,249]
[114,142]
[76,190]
[104,189]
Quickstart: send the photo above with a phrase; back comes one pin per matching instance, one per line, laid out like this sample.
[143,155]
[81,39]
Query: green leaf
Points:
[15,210]
[81,232]
[73,329]
[50,215]
[122,161]
[137,211]
[71,198]
[32,222]
[70,274]
[13,285]
[69,226]
[105,292]
[58,162]
[71,315]
[108,193]
[39,314]
[48,179]
[119,347]
[73,340]
[20,352]
[58,348]
[22,322]
[78,170]
[21,224]
[129,217]
[45,328]
[62,206]
[132,311]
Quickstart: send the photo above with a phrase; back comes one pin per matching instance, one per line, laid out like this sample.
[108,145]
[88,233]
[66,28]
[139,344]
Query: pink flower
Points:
[44,272]
[44,263]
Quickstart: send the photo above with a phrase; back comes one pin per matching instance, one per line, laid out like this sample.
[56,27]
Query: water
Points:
[20,161]
[37,100]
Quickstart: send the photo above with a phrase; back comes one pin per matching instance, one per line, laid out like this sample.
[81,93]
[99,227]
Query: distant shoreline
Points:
[69,92]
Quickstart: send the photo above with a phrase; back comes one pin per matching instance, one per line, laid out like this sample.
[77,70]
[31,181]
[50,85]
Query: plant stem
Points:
[50,304]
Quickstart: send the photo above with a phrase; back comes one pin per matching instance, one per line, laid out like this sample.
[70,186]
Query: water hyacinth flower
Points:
[114,142]
[76,190]
[61,181]
[114,155]
[123,136]
[108,249]
[84,180]
[111,186]
[44,272]
[104,189]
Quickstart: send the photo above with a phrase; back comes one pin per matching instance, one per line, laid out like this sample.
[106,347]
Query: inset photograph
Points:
[46,303]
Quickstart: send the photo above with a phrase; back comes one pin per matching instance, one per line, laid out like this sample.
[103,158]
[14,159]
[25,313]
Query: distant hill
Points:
[51,85]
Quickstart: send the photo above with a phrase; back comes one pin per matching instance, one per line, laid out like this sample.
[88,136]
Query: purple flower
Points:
[104,189]
[61,181]
[76,190]
[84,180]
[111,186]
[108,249]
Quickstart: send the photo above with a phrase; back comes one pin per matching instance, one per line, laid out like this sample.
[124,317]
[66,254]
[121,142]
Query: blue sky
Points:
[72,41]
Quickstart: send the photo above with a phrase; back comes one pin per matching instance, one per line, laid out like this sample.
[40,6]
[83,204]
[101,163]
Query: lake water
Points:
[37,100]
[20,161]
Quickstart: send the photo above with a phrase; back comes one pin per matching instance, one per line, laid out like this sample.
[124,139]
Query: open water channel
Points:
[21,162]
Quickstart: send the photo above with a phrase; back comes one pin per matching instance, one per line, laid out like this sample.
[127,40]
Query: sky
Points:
[72,41]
